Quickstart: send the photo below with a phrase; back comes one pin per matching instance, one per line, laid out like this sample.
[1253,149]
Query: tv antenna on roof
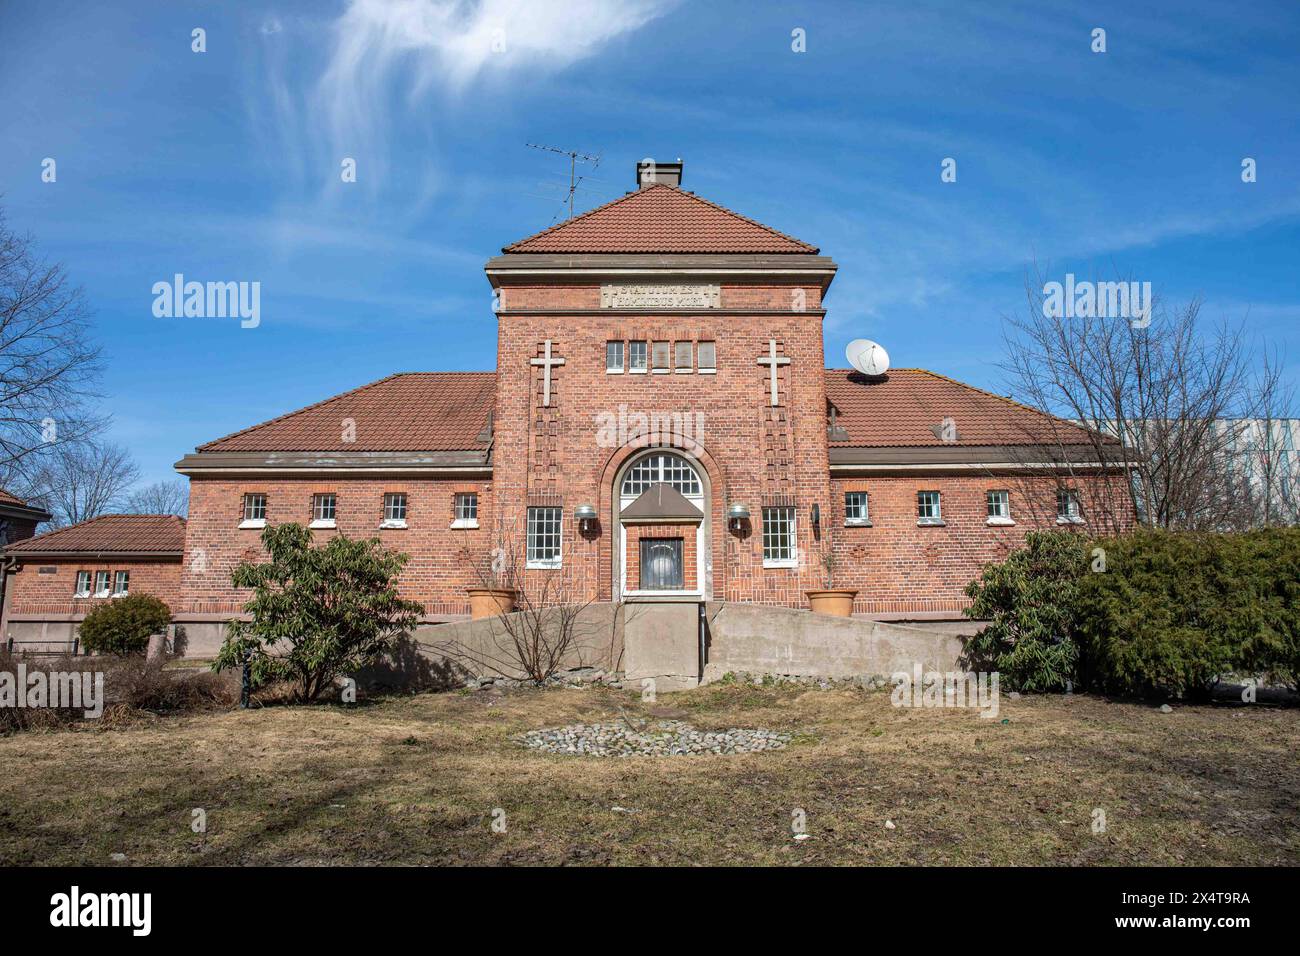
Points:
[575,157]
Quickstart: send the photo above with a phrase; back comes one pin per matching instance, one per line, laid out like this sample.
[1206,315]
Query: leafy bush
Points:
[1174,612]
[124,625]
[316,612]
[1031,603]
[1161,613]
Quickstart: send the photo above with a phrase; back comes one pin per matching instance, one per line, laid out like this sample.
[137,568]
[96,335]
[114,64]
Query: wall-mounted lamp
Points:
[584,515]
[816,518]
[736,514]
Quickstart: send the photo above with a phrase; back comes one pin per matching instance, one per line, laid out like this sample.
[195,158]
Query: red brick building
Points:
[54,579]
[657,342]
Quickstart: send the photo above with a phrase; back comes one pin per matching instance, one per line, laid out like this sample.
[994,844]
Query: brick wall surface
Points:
[34,592]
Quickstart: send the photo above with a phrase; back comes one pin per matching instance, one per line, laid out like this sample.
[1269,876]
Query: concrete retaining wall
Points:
[778,640]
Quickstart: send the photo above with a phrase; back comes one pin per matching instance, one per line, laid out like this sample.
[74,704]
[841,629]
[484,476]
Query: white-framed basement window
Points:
[637,356]
[82,589]
[928,508]
[543,537]
[1067,507]
[856,512]
[998,505]
[394,510]
[101,584]
[254,510]
[614,358]
[465,510]
[323,509]
[779,537]
[121,583]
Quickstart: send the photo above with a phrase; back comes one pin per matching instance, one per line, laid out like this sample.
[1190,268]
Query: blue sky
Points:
[224,165]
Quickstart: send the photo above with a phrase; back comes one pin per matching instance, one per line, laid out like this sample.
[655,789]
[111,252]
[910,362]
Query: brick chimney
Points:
[649,172]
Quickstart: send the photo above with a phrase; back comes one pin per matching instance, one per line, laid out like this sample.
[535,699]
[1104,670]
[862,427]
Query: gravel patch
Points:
[663,738]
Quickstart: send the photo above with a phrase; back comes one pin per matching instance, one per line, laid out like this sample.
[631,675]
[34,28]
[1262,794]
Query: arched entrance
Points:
[662,516]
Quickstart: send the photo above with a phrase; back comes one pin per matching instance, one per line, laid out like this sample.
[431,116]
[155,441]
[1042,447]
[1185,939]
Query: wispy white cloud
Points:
[385,63]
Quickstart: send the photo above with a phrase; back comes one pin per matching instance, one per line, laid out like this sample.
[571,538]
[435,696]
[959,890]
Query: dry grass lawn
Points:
[414,780]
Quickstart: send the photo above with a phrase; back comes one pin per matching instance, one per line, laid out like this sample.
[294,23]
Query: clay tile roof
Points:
[412,411]
[661,219]
[908,407]
[8,499]
[163,534]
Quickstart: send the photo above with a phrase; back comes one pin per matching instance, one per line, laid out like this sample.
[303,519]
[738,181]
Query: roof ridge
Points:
[299,411]
[646,190]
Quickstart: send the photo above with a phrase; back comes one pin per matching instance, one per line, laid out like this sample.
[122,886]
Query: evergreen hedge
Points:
[1145,614]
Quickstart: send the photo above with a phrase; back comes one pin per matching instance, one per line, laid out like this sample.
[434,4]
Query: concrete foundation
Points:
[661,643]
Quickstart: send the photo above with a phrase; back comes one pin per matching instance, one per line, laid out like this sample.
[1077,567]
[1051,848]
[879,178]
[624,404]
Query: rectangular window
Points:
[613,356]
[706,353]
[999,505]
[661,564]
[322,509]
[1067,506]
[83,584]
[662,356]
[927,508]
[636,356]
[778,537]
[101,584]
[395,509]
[682,357]
[543,544]
[255,507]
[465,510]
[855,508]
[121,583]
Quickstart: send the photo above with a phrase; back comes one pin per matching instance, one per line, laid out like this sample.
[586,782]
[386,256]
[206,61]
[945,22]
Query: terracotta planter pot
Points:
[837,602]
[489,602]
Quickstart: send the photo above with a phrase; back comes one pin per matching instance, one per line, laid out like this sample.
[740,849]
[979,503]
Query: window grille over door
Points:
[661,564]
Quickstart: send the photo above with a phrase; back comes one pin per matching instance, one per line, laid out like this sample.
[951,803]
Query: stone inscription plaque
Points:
[659,296]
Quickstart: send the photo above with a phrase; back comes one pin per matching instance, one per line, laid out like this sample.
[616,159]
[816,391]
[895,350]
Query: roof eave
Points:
[455,463]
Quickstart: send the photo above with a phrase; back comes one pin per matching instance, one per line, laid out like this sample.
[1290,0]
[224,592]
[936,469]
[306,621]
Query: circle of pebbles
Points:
[666,738]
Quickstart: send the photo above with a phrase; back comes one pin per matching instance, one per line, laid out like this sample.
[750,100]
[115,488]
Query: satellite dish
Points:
[867,357]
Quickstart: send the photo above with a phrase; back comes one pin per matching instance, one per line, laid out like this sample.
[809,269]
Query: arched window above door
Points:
[663,467]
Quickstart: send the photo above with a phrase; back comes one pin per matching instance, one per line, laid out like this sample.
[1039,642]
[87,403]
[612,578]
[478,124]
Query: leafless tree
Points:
[48,363]
[76,481]
[1158,394]
[543,632]
[160,498]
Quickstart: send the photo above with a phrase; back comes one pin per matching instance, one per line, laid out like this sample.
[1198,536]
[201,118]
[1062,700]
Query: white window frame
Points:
[249,519]
[121,583]
[1071,513]
[1002,517]
[633,347]
[689,367]
[78,589]
[667,367]
[712,367]
[791,520]
[622,357]
[318,520]
[935,520]
[554,518]
[862,520]
[464,517]
[394,501]
[107,578]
